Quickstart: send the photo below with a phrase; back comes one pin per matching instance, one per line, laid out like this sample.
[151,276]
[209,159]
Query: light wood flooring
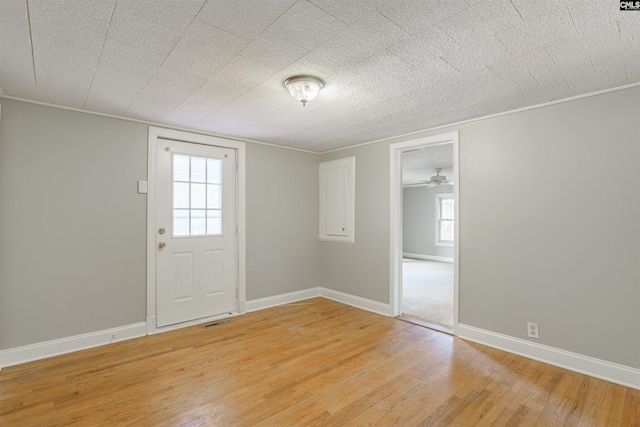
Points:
[321,363]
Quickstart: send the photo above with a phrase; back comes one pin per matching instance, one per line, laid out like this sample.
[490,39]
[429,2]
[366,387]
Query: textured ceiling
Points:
[420,164]
[391,67]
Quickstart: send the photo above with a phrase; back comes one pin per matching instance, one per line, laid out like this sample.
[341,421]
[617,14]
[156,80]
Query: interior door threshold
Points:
[426,324]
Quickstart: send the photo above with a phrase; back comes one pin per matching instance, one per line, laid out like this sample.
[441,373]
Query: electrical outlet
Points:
[532,330]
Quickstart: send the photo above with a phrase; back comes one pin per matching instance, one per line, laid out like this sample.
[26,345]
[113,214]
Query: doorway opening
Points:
[424,231]
[428,222]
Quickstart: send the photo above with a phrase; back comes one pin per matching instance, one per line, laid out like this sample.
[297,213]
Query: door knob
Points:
[162,245]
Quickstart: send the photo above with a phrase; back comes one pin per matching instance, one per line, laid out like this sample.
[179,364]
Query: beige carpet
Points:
[427,291]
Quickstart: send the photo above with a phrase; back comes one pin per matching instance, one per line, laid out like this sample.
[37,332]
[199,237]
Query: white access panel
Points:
[337,200]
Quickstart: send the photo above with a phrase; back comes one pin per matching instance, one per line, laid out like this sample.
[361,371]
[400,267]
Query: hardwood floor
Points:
[317,364]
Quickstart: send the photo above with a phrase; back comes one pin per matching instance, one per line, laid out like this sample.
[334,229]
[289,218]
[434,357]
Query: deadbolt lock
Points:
[162,245]
[160,230]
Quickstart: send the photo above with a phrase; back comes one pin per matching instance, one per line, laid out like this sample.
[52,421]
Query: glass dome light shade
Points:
[303,88]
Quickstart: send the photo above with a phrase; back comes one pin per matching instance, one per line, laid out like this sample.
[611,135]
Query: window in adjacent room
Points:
[445,203]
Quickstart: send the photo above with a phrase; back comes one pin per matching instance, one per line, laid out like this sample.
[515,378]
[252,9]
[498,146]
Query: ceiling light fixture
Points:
[303,88]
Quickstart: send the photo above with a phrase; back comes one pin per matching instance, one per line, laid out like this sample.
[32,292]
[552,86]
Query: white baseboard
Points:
[29,353]
[613,372]
[609,371]
[428,257]
[359,302]
[261,303]
[363,303]
[43,350]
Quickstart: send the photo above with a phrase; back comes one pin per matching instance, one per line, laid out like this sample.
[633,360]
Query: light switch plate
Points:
[142,187]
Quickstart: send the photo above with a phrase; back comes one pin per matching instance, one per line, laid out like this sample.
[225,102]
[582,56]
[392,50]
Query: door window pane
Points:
[214,196]
[197,195]
[181,167]
[198,169]
[198,223]
[181,222]
[180,195]
[214,171]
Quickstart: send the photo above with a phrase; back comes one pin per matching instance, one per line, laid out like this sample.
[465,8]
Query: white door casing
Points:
[194,279]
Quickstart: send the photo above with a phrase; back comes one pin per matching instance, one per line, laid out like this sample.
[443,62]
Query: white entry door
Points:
[195,231]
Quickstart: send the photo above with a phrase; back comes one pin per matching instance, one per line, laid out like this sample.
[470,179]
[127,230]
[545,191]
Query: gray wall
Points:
[72,254]
[283,250]
[563,252]
[73,228]
[362,268]
[419,221]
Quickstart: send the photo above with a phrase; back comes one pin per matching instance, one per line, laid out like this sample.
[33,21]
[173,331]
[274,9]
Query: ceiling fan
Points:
[437,179]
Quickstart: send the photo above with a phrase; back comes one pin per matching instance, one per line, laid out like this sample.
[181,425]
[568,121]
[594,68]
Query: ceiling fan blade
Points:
[419,184]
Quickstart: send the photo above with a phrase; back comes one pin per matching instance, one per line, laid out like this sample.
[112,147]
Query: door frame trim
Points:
[154,134]
[395,232]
